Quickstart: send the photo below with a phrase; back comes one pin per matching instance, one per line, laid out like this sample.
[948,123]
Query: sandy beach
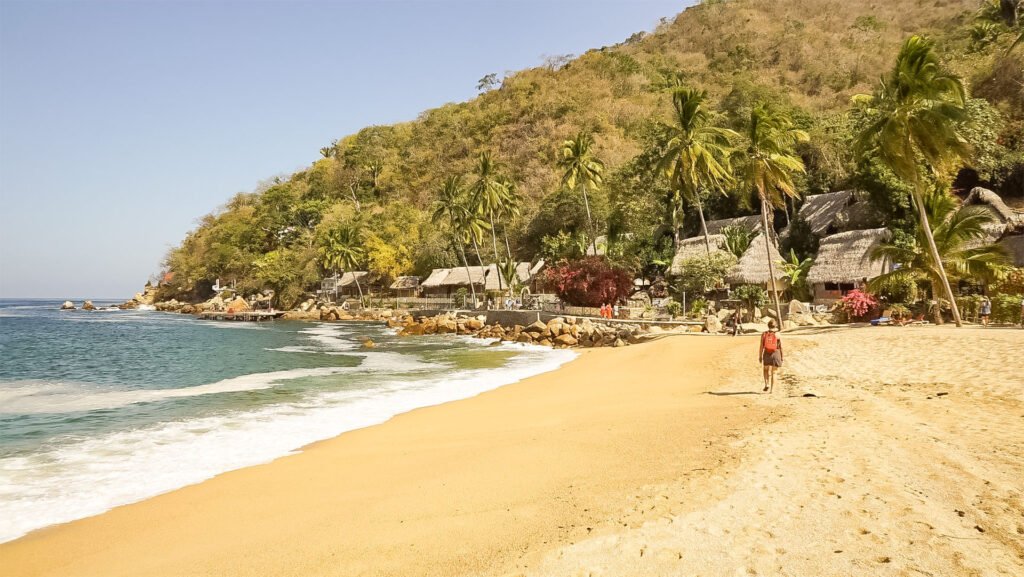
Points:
[885,451]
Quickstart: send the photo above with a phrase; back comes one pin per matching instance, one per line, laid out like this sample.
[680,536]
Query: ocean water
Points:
[104,408]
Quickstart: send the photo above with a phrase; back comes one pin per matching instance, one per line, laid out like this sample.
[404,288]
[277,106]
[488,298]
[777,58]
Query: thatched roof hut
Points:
[1011,220]
[524,272]
[460,277]
[349,278]
[752,222]
[820,211]
[695,247]
[846,257]
[405,283]
[1014,245]
[753,266]
[436,278]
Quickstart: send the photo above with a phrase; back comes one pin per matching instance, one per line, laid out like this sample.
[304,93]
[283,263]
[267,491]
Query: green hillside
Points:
[804,57]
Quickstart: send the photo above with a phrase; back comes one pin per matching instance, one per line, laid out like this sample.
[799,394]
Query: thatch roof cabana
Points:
[820,211]
[436,278]
[695,247]
[460,277]
[404,283]
[1011,220]
[1014,245]
[846,257]
[524,272]
[752,222]
[753,266]
[349,278]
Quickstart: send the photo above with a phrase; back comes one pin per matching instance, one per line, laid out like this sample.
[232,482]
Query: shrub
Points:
[698,307]
[800,239]
[969,306]
[857,304]
[674,308]
[752,295]
[899,312]
[1006,308]
[701,274]
[589,282]
[1012,284]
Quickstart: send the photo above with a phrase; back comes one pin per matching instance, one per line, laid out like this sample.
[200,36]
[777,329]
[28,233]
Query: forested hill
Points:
[805,57]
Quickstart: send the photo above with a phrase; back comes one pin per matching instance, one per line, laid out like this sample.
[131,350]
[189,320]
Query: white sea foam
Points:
[89,476]
[34,397]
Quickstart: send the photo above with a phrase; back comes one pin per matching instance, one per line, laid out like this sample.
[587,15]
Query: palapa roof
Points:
[1011,220]
[846,257]
[753,266]
[349,278]
[524,272]
[405,283]
[752,222]
[436,278]
[1014,245]
[695,247]
[459,276]
[821,210]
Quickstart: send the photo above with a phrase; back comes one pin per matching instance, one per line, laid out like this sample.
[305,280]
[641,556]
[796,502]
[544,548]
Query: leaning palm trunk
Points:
[590,221]
[465,263]
[703,225]
[935,257]
[771,267]
[360,289]
[494,242]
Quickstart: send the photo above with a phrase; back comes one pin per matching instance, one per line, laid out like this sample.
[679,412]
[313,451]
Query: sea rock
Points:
[187,309]
[566,341]
[537,328]
[524,337]
[67,306]
[413,329]
[474,324]
[369,344]
[88,306]
[544,342]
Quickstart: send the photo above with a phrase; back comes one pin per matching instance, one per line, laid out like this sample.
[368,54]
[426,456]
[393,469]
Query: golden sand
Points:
[622,463]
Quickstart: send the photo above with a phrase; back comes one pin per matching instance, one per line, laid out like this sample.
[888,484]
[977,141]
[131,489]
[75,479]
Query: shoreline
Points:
[467,436]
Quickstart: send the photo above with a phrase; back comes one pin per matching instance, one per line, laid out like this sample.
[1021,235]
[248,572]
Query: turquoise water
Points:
[102,408]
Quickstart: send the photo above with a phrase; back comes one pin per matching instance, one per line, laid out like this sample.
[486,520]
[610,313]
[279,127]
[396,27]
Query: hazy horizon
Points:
[122,124]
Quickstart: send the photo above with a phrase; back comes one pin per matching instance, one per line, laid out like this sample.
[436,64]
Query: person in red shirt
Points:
[770,355]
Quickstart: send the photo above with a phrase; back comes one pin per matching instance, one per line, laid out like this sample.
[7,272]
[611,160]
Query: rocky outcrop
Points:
[67,306]
[88,306]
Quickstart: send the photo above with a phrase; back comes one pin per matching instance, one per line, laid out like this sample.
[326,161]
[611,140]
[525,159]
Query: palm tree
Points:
[956,234]
[796,271]
[737,240]
[343,249]
[450,208]
[913,117]
[696,156]
[768,170]
[490,192]
[583,169]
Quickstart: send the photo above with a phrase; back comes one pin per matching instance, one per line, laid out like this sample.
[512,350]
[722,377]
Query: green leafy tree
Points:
[451,209]
[581,169]
[696,155]
[491,195]
[768,169]
[342,249]
[913,118]
[955,233]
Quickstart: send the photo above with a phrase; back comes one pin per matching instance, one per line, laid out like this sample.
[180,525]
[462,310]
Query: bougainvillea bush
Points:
[857,304]
[589,282]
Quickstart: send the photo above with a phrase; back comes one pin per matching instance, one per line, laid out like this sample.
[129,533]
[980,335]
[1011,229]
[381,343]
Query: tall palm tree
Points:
[913,118]
[769,165]
[696,156]
[582,169]
[490,193]
[450,208]
[343,249]
[956,234]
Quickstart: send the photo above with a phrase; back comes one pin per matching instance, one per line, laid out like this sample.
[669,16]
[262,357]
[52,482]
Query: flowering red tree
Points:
[589,282]
[857,303]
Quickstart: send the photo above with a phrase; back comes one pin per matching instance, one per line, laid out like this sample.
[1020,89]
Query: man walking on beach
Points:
[770,355]
[986,310]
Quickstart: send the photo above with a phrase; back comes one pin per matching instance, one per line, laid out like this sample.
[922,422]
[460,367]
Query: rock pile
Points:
[559,332]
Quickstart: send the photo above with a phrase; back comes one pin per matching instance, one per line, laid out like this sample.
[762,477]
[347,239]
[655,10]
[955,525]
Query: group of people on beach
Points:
[608,311]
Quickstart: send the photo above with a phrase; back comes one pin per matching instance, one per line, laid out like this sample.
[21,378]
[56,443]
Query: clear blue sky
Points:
[122,123]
